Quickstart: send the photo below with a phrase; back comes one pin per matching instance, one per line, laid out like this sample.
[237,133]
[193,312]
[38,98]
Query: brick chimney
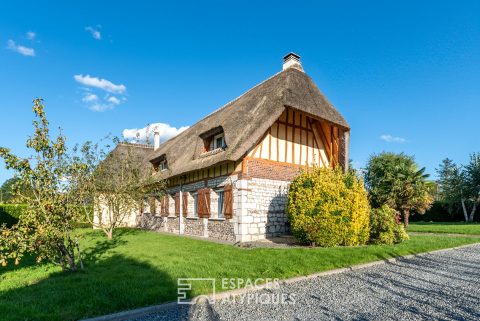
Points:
[156,139]
[292,60]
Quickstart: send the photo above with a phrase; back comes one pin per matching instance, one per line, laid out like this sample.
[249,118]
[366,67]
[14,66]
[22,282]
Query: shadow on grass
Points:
[109,283]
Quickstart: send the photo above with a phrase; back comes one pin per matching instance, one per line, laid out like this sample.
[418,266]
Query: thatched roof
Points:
[244,121]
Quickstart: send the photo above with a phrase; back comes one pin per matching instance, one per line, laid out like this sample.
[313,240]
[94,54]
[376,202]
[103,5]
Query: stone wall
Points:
[221,230]
[261,203]
[194,226]
[173,225]
[150,222]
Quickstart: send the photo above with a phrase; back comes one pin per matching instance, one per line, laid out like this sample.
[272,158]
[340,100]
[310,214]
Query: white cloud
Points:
[114,100]
[166,132]
[89,98]
[100,83]
[100,107]
[20,49]
[95,32]
[392,139]
[30,35]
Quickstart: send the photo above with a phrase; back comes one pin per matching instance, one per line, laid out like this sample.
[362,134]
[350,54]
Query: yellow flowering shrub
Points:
[328,208]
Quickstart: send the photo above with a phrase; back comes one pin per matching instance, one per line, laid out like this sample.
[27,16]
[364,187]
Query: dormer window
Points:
[160,164]
[218,141]
[214,140]
[163,165]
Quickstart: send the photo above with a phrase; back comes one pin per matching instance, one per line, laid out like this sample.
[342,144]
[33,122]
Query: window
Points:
[195,204]
[214,139]
[160,163]
[163,165]
[220,204]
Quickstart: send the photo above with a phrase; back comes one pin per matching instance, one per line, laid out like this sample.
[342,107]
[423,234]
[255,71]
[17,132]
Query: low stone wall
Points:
[193,226]
[173,225]
[221,230]
[150,222]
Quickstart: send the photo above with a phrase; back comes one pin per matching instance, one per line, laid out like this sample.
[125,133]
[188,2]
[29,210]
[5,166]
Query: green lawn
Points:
[140,268]
[445,227]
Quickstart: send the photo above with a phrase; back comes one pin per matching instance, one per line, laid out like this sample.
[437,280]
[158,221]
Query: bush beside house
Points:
[328,208]
[385,228]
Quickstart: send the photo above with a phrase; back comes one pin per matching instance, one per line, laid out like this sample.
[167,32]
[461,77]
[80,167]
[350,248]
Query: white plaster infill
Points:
[131,314]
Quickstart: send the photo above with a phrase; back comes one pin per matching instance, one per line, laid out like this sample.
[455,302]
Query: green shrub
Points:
[328,208]
[384,228]
[9,213]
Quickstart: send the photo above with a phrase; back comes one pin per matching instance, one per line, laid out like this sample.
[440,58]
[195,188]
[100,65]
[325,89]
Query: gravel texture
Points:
[436,286]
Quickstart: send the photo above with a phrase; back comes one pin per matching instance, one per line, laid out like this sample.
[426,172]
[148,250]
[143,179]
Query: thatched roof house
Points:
[228,174]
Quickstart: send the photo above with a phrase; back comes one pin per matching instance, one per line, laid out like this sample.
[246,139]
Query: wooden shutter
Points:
[166,205]
[185,203]
[204,202]
[200,203]
[177,204]
[152,204]
[228,201]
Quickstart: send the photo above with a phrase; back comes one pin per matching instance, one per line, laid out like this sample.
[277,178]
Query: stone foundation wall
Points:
[221,230]
[173,225]
[150,222]
[193,226]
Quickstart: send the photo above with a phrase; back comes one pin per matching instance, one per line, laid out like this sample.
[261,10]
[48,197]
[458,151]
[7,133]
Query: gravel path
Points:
[437,286]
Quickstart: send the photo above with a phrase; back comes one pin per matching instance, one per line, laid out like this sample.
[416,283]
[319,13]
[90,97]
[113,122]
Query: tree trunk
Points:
[406,218]
[472,213]
[67,258]
[110,234]
[465,214]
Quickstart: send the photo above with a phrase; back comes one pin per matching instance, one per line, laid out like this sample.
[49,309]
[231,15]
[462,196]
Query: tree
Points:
[46,227]
[452,183]
[10,191]
[397,181]
[6,191]
[460,186]
[115,183]
[471,191]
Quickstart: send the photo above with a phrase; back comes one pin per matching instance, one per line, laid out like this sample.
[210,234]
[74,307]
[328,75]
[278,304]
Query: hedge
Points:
[9,213]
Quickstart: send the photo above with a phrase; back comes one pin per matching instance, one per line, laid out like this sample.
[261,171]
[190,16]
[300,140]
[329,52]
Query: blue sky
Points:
[405,74]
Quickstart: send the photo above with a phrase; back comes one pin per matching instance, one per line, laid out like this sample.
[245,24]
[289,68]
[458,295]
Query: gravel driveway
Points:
[437,286]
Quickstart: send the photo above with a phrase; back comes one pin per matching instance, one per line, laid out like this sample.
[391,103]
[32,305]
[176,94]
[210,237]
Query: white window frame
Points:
[220,206]
[195,204]
[163,165]
[215,146]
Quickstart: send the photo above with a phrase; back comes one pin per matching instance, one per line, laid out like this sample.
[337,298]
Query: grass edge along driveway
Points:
[140,268]
[445,227]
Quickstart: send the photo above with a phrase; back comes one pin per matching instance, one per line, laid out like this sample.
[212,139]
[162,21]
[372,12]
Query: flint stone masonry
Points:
[221,230]
[150,222]
[258,211]
[194,227]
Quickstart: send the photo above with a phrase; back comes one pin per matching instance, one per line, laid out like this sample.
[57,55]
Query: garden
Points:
[56,267]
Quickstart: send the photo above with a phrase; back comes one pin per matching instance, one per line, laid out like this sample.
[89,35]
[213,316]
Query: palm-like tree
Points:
[396,180]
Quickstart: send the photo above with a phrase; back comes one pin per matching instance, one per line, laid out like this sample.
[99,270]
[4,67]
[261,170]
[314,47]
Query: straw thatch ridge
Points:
[244,121]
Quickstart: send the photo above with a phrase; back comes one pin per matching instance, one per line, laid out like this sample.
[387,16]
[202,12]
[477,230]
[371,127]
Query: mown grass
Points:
[445,227]
[140,268]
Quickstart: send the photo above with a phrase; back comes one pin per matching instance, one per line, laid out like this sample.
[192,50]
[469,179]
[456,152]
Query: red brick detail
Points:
[260,168]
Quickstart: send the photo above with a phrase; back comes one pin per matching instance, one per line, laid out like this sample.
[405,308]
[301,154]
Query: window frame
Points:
[195,204]
[220,204]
